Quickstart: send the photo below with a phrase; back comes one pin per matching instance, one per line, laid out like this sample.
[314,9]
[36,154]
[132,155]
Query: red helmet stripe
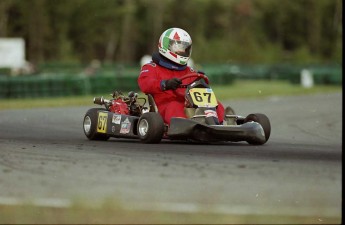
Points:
[176,36]
[173,54]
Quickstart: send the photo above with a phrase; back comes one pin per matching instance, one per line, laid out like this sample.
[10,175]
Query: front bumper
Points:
[181,128]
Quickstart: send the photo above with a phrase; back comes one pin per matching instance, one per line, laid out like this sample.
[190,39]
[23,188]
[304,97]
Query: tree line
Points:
[223,31]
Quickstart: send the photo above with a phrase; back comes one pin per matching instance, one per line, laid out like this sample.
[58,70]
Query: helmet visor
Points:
[181,48]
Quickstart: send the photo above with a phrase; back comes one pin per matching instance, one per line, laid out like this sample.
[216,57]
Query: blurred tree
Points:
[222,30]
[36,28]
[87,28]
[128,32]
[4,7]
[331,29]
[314,25]
[150,17]
[58,44]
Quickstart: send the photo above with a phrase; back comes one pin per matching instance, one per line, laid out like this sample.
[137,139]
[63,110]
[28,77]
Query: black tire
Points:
[150,128]
[90,125]
[263,120]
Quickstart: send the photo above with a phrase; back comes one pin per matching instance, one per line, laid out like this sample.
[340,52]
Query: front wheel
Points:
[150,128]
[263,120]
[90,125]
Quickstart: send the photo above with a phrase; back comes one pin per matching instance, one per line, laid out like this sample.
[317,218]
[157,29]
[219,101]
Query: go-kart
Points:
[131,116]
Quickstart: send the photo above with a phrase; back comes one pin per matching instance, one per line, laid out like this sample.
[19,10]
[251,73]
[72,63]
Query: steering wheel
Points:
[190,75]
[179,91]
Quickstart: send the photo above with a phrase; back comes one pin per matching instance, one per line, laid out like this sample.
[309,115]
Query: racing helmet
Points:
[175,44]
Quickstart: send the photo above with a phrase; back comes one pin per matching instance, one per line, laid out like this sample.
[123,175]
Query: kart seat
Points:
[152,103]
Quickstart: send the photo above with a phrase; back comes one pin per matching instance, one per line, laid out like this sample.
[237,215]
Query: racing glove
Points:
[171,84]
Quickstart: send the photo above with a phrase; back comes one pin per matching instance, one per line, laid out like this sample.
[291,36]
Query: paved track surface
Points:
[45,155]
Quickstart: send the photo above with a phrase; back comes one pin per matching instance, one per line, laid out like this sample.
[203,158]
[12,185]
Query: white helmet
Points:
[176,45]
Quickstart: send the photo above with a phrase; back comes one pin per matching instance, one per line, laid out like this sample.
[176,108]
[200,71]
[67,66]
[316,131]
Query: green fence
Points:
[322,74]
[53,83]
[36,86]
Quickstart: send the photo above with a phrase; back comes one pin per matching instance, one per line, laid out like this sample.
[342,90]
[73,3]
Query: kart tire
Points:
[90,125]
[150,128]
[263,120]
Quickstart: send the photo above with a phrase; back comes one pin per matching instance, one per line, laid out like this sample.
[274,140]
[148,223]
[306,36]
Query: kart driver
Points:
[160,77]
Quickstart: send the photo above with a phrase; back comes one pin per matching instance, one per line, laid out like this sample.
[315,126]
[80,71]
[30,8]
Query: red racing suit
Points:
[170,103]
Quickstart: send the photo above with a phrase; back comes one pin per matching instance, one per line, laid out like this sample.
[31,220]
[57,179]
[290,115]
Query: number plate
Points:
[203,97]
[102,122]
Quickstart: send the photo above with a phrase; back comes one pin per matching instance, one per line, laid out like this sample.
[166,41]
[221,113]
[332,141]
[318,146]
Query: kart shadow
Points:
[179,142]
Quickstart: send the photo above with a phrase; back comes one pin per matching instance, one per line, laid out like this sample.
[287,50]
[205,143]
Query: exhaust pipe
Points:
[98,100]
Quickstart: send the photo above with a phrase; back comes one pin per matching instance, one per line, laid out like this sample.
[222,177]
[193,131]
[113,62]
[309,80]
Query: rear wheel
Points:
[150,127]
[90,125]
[263,120]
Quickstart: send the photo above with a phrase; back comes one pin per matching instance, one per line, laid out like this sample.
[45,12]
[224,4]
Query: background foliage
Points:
[223,31]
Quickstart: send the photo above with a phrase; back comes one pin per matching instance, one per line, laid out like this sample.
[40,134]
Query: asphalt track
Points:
[46,158]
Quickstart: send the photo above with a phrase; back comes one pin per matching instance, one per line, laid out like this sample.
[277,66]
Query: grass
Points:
[45,102]
[260,89]
[240,89]
[113,214]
